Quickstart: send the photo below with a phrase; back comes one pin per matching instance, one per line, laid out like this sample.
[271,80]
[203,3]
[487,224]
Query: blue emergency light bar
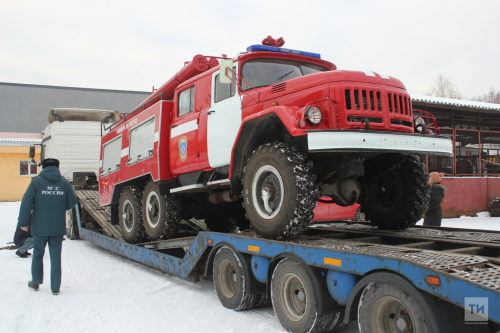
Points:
[255,48]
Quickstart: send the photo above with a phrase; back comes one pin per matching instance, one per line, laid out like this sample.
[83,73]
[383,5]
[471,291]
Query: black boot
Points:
[33,286]
[22,255]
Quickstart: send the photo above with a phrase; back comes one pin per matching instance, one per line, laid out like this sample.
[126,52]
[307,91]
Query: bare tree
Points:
[491,96]
[444,87]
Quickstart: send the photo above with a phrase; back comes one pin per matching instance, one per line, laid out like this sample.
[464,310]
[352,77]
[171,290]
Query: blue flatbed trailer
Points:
[323,279]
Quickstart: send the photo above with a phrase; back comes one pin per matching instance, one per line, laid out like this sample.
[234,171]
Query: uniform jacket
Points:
[45,202]
[20,236]
[434,212]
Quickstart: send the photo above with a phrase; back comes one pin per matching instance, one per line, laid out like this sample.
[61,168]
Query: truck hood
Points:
[317,79]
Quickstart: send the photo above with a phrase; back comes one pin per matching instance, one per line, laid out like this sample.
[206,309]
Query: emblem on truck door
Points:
[183,148]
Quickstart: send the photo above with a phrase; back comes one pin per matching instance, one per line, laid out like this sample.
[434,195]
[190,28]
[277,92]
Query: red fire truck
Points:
[258,140]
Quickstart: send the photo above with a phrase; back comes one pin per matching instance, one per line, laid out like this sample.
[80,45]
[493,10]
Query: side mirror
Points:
[32,152]
[226,76]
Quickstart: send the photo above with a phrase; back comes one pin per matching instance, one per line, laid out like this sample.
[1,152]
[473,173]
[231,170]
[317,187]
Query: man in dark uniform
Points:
[24,241]
[45,202]
[434,212]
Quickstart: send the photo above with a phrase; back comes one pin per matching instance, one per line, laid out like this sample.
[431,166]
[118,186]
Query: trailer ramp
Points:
[89,200]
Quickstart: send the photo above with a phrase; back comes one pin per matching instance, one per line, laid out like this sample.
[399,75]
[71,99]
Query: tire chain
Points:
[137,193]
[173,216]
[305,180]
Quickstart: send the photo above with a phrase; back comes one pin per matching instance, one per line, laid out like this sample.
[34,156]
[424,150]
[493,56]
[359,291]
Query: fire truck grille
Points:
[398,104]
[361,99]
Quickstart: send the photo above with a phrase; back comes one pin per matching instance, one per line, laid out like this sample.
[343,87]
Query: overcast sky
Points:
[134,45]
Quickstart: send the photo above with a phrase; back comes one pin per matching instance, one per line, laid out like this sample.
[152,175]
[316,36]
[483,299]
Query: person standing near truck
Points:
[434,212]
[43,209]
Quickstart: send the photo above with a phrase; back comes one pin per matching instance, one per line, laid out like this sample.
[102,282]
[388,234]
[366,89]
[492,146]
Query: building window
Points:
[186,101]
[27,169]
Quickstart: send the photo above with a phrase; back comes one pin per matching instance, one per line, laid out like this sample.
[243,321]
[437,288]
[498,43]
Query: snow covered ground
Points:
[103,292]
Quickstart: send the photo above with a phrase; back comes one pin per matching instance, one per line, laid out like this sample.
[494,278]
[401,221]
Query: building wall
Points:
[468,195]
[12,185]
[28,104]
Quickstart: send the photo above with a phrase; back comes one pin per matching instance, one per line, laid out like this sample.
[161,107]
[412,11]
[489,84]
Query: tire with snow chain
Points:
[234,282]
[278,191]
[400,196]
[161,213]
[130,214]
[298,298]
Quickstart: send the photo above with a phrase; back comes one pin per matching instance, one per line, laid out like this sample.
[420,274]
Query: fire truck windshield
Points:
[265,72]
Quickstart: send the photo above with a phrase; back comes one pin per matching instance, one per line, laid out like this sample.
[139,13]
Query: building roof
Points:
[457,102]
[20,139]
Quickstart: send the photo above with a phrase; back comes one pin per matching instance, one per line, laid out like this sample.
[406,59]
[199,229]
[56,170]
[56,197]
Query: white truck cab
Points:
[73,136]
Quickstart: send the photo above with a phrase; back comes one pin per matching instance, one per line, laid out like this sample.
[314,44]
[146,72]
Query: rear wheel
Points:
[278,191]
[296,301]
[130,214]
[234,283]
[400,196]
[386,307]
[161,213]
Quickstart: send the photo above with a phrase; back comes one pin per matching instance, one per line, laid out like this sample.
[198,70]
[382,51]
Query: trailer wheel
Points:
[297,303]
[400,196]
[278,190]
[161,213]
[385,307]
[130,214]
[72,231]
[233,283]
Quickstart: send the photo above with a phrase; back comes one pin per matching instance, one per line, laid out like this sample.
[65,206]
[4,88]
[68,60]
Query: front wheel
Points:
[278,191]
[399,197]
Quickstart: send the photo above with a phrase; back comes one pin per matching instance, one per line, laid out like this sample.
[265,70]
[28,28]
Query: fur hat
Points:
[435,177]
[50,162]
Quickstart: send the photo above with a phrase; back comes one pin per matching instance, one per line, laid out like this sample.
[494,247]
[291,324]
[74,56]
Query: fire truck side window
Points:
[186,101]
[223,91]
[112,155]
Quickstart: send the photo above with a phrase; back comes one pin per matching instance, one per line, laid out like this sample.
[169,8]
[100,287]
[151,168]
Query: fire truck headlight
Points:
[314,115]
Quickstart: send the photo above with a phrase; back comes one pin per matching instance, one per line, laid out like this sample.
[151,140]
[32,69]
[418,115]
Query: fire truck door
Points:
[184,156]
[224,119]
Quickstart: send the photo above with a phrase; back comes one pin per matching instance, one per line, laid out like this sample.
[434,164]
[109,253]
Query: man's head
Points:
[435,177]
[50,162]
